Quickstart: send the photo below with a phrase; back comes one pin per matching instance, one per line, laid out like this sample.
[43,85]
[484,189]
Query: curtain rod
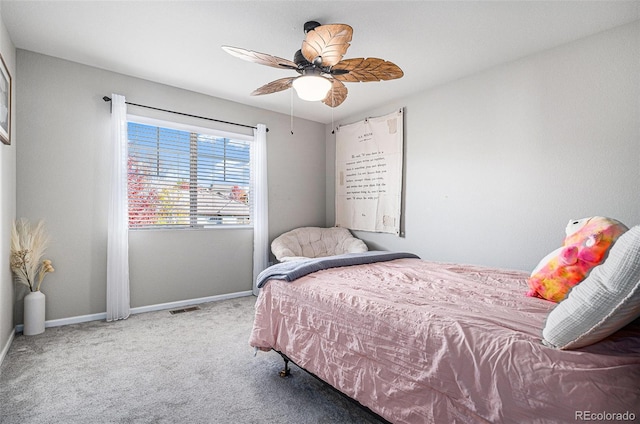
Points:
[108,99]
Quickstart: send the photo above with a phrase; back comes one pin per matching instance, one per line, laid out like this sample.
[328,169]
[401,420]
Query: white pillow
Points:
[607,300]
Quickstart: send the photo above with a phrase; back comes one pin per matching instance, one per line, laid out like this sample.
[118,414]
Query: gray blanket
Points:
[290,271]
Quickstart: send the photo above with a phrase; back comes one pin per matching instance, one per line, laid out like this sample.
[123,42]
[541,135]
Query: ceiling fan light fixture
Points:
[321,66]
[312,87]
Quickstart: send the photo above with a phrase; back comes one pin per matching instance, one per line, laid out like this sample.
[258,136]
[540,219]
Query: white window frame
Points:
[204,131]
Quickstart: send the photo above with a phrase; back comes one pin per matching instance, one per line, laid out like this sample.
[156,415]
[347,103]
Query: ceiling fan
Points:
[320,65]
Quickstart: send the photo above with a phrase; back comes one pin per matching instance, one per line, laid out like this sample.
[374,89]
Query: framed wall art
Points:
[5,102]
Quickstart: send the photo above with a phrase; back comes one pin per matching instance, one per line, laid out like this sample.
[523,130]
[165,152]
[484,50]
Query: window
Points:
[186,177]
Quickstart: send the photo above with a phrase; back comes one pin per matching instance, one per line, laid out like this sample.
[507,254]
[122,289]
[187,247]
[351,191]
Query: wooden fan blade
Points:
[364,70]
[261,58]
[274,86]
[336,95]
[330,42]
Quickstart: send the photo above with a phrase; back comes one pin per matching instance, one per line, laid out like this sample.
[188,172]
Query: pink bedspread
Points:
[425,342]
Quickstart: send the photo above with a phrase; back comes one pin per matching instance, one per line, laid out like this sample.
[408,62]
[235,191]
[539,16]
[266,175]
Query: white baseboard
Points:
[183,303]
[138,310]
[6,347]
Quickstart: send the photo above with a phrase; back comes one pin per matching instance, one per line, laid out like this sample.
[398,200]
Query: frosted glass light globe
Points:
[312,87]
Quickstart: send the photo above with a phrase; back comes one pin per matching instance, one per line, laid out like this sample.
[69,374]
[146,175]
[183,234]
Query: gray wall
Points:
[63,126]
[7,203]
[497,163]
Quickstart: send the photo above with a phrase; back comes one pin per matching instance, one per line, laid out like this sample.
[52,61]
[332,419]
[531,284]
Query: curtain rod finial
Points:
[106,99]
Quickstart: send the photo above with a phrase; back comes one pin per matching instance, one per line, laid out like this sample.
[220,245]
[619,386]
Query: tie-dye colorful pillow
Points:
[585,246]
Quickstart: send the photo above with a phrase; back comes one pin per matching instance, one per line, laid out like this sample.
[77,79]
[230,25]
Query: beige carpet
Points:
[193,367]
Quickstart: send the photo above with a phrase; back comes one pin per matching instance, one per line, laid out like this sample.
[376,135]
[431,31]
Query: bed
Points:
[418,341]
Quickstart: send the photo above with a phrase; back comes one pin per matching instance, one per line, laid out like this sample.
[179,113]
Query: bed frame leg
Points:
[286,371]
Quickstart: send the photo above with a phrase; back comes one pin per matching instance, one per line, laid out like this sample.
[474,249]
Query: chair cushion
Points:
[315,242]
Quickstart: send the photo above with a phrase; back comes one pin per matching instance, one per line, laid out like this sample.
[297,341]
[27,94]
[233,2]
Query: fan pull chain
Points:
[333,102]
[332,130]
[291,111]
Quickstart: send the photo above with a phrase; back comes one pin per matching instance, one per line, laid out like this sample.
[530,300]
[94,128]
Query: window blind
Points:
[181,178]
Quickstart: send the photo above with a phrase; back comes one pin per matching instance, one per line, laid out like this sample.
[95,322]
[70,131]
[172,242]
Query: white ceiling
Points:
[178,42]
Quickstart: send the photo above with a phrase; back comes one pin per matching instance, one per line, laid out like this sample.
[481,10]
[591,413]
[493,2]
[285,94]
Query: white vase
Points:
[33,313]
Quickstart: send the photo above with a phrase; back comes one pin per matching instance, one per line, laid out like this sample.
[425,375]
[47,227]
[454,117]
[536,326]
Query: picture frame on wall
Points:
[5,102]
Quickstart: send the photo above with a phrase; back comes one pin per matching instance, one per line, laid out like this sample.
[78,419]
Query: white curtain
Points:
[260,202]
[118,231]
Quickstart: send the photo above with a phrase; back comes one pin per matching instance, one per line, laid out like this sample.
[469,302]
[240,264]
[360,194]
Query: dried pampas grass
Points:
[27,248]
